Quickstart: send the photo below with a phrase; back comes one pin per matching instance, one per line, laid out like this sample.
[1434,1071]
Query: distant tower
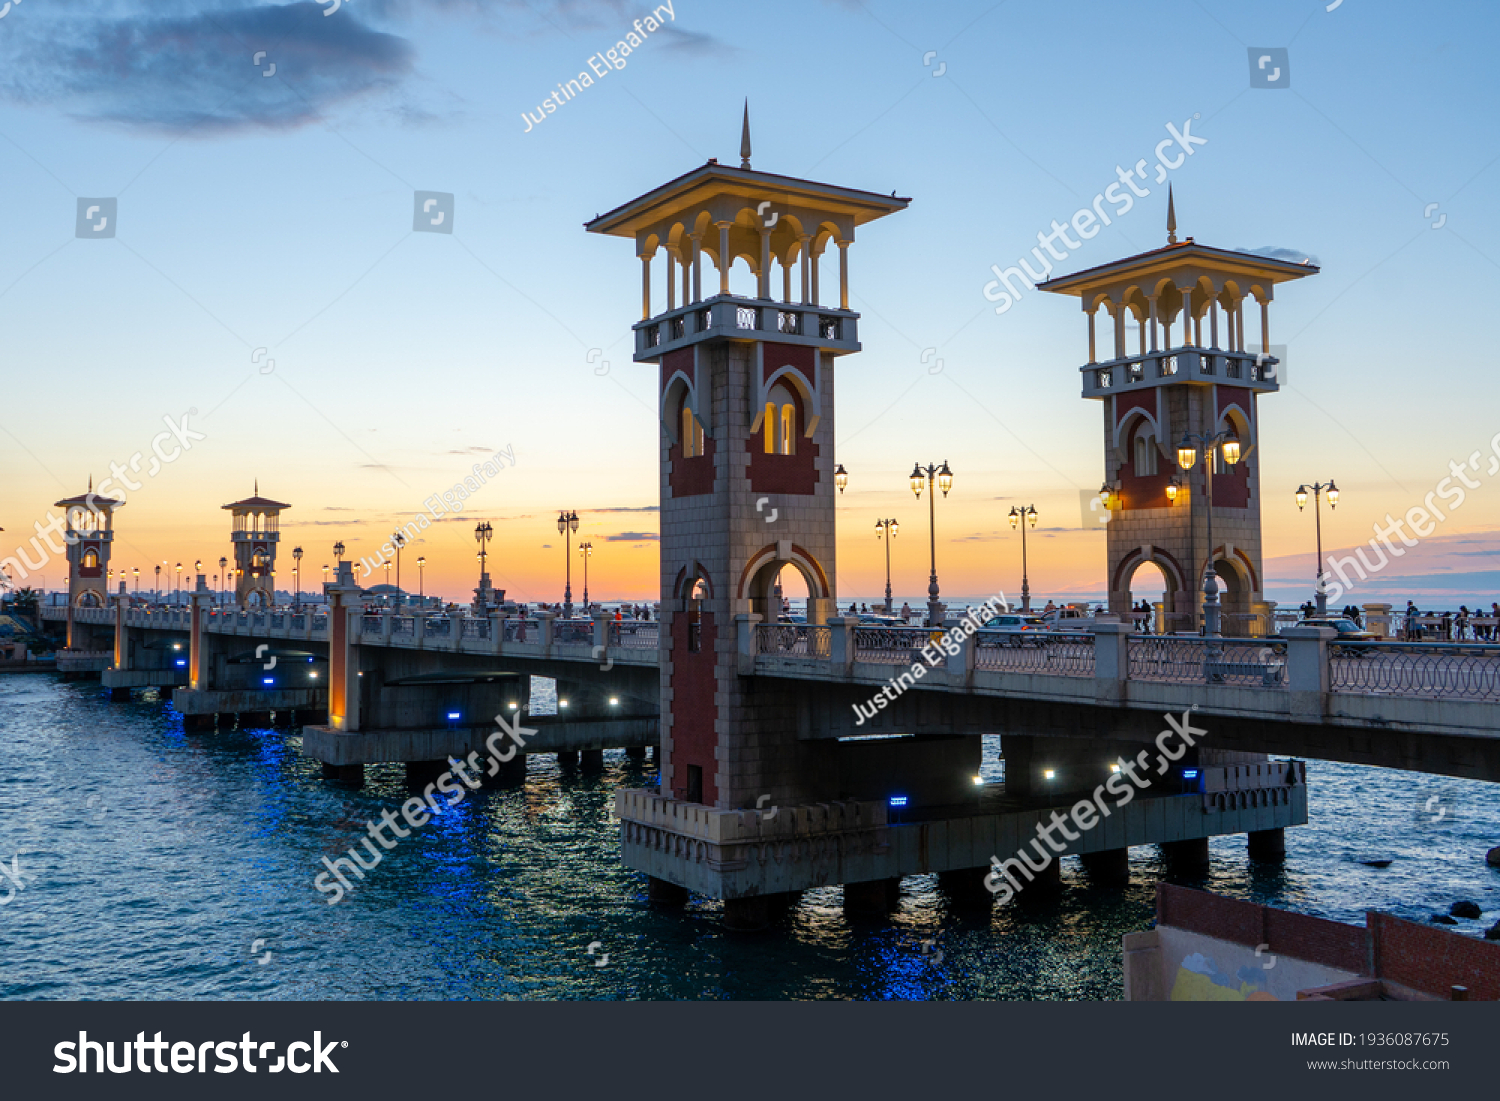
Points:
[90,535]
[745,392]
[1190,373]
[255,533]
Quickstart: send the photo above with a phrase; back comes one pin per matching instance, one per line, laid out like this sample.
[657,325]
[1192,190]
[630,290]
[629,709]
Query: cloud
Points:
[1290,255]
[173,69]
[637,508]
[694,43]
[472,451]
[632,537]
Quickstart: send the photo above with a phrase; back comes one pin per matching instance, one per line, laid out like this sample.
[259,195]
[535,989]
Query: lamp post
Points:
[1188,452]
[840,477]
[338,552]
[567,524]
[223,574]
[1024,518]
[297,575]
[887,530]
[325,581]
[137,571]
[158,585]
[398,541]
[1317,489]
[421,589]
[179,585]
[586,551]
[943,478]
[386,565]
[483,533]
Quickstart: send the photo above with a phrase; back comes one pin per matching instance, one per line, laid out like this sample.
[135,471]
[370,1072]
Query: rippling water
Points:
[154,862]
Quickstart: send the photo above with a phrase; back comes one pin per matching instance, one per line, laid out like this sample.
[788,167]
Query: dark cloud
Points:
[180,71]
[637,508]
[632,537]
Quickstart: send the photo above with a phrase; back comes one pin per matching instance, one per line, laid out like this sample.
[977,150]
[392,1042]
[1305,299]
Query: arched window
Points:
[90,559]
[1145,452]
[780,424]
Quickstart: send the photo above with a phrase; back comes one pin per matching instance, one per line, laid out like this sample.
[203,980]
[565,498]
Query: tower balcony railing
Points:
[1174,365]
[727,316]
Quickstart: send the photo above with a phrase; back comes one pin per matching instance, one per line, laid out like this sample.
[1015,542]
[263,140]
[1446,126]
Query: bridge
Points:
[796,756]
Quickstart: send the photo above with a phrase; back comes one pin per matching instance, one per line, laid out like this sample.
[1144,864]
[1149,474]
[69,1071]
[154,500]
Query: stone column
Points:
[841,644]
[1112,662]
[1307,671]
[843,275]
[724,258]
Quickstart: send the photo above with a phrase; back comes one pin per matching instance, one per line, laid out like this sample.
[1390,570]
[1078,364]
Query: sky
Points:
[265,281]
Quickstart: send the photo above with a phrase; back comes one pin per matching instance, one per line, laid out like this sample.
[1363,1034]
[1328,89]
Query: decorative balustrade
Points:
[1059,653]
[898,645]
[794,640]
[371,625]
[476,628]
[573,631]
[1208,661]
[438,627]
[403,626]
[635,635]
[1417,669]
[522,630]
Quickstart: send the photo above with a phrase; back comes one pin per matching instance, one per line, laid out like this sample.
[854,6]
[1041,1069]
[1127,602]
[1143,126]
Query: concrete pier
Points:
[1268,846]
[1110,868]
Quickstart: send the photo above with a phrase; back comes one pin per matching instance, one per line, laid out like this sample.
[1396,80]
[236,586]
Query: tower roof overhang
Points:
[1176,261]
[256,504]
[95,501]
[696,188]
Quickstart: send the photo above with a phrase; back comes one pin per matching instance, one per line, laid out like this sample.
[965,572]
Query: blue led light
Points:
[1190,774]
[268,680]
[898,800]
[454,715]
[181,662]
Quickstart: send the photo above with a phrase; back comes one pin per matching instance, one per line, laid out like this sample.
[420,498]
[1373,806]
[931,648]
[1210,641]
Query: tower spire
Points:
[745,137]
[257,488]
[1171,218]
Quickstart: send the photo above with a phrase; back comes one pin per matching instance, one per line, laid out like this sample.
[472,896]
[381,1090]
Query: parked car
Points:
[1068,619]
[1348,630]
[870,619]
[1010,629]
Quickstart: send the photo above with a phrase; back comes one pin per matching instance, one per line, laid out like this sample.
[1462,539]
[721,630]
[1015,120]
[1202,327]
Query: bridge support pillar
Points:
[567,759]
[748,915]
[1110,868]
[668,894]
[1268,845]
[196,724]
[965,888]
[871,899]
[1186,856]
[508,774]
[119,695]
[591,760]
[255,718]
[353,775]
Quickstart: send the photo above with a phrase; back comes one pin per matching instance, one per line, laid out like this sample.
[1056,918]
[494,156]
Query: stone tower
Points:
[746,398]
[254,535]
[1190,373]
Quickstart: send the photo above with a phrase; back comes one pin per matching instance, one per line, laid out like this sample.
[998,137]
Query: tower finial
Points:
[1171,218]
[257,487]
[745,137]
[91,483]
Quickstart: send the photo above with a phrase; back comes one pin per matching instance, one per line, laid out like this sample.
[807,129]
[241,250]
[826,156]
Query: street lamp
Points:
[386,565]
[297,576]
[483,533]
[398,541]
[223,566]
[840,477]
[1188,451]
[567,524]
[338,552]
[421,589]
[1317,489]
[944,481]
[179,583]
[887,530]
[586,551]
[1024,518]
[158,584]
[137,571]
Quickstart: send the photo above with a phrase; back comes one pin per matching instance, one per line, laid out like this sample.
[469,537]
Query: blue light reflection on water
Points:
[160,858]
